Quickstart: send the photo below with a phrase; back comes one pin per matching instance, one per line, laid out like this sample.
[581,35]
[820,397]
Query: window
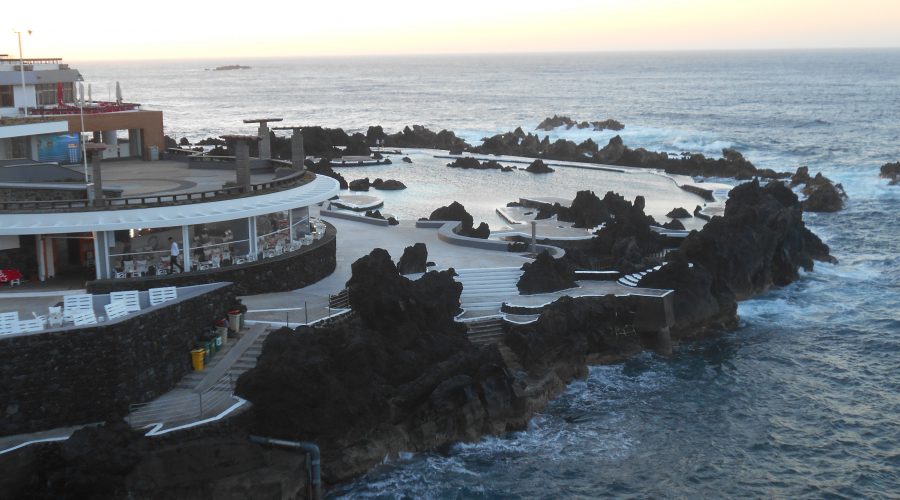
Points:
[46,93]
[6,96]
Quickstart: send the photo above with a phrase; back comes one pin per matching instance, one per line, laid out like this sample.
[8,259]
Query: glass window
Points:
[273,234]
[299,223]
[145,252]
[219,244]
[6,96]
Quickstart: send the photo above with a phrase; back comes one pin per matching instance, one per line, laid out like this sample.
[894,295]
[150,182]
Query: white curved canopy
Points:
[319,190]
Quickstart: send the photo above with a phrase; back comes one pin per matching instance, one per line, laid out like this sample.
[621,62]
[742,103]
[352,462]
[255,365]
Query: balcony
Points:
[96,108]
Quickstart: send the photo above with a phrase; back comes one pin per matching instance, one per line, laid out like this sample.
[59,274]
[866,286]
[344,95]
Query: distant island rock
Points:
[564,121]
[230,67]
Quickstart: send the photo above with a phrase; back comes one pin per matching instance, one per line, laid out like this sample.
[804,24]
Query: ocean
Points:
[802,400]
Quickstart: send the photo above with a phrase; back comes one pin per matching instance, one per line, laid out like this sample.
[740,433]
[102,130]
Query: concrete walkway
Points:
[201,395]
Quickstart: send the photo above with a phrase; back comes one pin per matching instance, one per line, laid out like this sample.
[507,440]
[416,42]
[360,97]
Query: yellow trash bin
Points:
[197,359]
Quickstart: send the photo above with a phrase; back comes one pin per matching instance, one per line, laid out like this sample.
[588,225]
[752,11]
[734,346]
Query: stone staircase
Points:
[486,289]
[485,332]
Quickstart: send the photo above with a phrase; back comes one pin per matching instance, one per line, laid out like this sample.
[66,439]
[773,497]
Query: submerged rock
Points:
[407,159]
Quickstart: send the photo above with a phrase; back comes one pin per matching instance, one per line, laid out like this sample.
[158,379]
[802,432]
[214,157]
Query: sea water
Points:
[803,399]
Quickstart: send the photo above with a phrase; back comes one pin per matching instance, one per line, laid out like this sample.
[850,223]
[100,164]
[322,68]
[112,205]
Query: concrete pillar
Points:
[251,225]
[533,236]
[95,159]
[111,140]
[101,257]
[41,258]
[242,164]
[265,143]
[186,248]
[298,154]
[134,142]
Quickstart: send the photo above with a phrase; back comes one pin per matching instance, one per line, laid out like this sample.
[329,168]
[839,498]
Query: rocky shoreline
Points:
[401,375]
[329,143]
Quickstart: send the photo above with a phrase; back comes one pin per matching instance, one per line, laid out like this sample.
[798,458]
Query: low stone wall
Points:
[33,193]
[278,274]
[76,376]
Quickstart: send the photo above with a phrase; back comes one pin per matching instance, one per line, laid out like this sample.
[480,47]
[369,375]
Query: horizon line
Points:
[510,53]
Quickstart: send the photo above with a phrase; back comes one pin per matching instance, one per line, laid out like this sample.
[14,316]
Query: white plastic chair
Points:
[115,309]
[128,267]
[84,317]
[30,325]
[131,299]
[76,303]
[55,316]
[164,294]
[9,322]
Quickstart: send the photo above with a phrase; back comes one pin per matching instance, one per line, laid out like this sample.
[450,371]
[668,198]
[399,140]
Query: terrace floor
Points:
[137,178]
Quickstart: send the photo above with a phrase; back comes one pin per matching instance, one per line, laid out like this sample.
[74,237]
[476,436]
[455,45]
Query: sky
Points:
[230,30]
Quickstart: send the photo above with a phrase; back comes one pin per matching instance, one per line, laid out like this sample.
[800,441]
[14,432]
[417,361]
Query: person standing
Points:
[174,251]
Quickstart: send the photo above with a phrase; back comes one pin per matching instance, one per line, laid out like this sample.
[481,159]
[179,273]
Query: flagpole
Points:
[87,182]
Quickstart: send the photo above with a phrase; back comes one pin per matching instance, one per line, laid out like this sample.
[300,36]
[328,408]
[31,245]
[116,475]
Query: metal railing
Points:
[184,408]
[296,178]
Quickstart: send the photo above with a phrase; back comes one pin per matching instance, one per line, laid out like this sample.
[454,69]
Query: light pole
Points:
[22,69]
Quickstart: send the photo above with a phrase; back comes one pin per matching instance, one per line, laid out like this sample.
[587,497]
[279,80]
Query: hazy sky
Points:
[231,30]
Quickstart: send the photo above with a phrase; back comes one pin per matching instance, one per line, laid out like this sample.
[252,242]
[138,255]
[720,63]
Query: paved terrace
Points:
[141,178]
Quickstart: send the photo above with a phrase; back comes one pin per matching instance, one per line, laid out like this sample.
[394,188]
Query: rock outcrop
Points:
[388,185]
[546,274]
[413,260]
[760,242]
[359,184]
[679,213]
[625,243]
[891,171]
[822,195]
[403,377]
[407,159]
[420,137]
[564,121]
[473,163]
[455,211]
[538,167]
[323,167]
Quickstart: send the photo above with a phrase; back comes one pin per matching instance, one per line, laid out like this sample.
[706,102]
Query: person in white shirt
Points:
[174,255]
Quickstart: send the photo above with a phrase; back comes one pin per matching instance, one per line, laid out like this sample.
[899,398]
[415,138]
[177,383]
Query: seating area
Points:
[81,310]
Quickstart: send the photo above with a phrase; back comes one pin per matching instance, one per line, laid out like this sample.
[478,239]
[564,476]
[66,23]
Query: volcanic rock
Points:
[420,137]
[823,196]
[388,185]
[546,274]
[455,211]
[359,184]
[407,159]
[323,167]
[586,211]
[403,377]
[414,259]
[891,171]
[679,213]
[698,213]
[674,224]
[538,167]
